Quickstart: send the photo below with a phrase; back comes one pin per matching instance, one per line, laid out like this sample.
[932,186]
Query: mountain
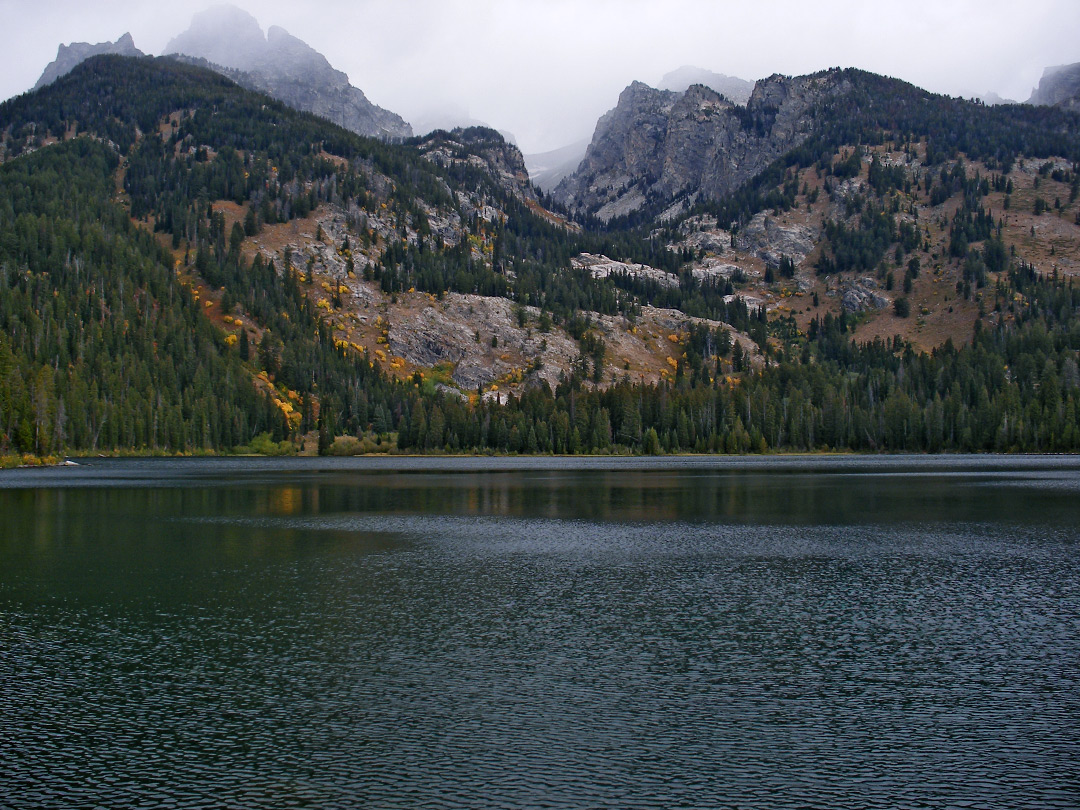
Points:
[732,88]
[548,169]
[1059,87]
[659,144]
[190,266]
[659,152]
[279,64]
[335,284]
[68,56]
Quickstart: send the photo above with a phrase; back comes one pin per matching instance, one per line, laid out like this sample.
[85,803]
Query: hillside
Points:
[386,247]
[192,266]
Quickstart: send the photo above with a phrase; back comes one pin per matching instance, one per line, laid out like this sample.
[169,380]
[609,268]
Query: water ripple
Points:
[446,661]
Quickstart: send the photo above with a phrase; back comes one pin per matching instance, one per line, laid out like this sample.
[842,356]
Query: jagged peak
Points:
[1059,86]
[125,41]
[68,56]
[225,35]
[639,88]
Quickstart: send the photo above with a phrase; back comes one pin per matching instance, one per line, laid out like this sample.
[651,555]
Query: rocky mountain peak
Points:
[289,56]
[658,146]
[224,35]
[285,67]
[700,95]
[483,148]
[638,92]
[69,56]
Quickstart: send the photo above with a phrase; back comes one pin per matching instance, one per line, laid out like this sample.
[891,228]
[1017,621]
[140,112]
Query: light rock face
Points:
[447,333]
[771,240]
[284,67]
[862,295]
[602,267]
[1059,87]
[659,145]
[69,56]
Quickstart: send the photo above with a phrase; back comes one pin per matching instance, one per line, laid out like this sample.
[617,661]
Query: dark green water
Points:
[558,633]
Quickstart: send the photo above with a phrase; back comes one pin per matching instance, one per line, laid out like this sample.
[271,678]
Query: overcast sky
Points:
[544,70]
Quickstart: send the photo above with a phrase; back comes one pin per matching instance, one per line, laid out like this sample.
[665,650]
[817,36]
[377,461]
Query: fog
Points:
[545,70]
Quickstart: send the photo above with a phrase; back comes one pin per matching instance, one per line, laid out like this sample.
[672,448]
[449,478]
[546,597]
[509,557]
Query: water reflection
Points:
[287,501]
[669,495]
[730,496]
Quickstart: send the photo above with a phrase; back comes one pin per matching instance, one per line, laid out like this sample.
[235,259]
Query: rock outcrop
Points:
[862,296]
[771,240]
[280,65]
[1059,87]
[658,146]
[68,57]
[602,267]
[485,149]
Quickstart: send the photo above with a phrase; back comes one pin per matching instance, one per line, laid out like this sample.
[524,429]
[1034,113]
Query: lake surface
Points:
[552,633]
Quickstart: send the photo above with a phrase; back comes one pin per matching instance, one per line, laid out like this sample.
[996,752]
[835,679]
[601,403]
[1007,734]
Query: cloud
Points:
[546,69]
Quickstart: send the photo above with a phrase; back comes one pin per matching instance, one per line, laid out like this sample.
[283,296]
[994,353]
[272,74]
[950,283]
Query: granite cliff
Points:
[1059,87]
[660,147]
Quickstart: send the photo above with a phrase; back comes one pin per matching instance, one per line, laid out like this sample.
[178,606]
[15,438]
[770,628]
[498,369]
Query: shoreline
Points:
[30,462]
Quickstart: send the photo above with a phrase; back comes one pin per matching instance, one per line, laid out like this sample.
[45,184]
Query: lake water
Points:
[520,633]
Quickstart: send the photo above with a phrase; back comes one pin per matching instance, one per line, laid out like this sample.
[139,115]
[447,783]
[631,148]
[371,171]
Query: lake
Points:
[820,632]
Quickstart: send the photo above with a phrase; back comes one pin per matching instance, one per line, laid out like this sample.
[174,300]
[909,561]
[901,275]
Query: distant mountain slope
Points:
[1059,87]
[284,67]
[992,99]
[732,88]
[68,56]
[548,169]
[447,118]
